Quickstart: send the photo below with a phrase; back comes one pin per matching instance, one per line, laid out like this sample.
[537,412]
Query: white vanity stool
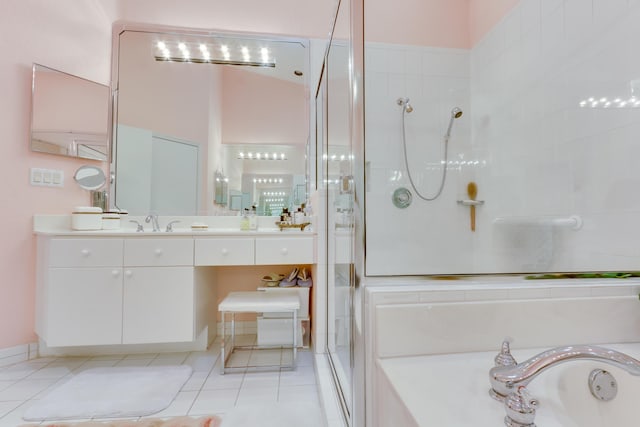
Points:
[258,302]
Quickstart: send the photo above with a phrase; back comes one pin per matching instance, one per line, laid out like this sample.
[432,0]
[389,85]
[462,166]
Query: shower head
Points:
[456,113]
[404,103]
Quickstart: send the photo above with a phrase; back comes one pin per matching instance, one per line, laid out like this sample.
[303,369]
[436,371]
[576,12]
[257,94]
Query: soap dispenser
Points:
[244,222]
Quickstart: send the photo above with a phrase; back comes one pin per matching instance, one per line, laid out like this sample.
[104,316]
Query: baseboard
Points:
[19,353]
[199,344]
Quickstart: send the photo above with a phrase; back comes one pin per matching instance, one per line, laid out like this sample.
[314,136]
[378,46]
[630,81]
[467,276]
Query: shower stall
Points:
[485,137]
[547,99]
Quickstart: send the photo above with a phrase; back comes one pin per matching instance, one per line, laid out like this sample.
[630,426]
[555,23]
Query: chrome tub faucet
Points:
[509,379]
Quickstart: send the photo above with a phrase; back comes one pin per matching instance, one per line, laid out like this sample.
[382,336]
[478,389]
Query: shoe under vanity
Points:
[126,288]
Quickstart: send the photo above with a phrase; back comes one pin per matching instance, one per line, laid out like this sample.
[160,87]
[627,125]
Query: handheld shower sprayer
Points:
[456,113]
[404,103]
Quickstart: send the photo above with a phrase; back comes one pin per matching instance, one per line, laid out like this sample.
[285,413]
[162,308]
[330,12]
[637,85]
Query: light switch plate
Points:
[47,177]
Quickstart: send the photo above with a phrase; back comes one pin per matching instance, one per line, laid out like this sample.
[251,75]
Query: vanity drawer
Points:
[283,250]
[236,251]
[158,252]
[85,252]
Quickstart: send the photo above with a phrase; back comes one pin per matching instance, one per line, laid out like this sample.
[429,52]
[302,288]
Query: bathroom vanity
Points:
[122,287]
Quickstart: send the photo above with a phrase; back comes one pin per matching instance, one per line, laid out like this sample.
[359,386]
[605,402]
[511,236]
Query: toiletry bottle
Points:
[253,219]
[244,222]
[298,216]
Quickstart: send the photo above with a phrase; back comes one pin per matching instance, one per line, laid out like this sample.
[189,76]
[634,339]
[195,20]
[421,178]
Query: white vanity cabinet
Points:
[96,288]
[79,295]
[105,291]
[158,303]
[285,250]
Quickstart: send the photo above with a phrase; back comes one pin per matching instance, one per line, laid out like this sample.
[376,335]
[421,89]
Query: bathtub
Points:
[432,344]
[452,390]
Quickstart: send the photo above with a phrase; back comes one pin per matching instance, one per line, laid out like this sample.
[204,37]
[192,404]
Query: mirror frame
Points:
[120,27]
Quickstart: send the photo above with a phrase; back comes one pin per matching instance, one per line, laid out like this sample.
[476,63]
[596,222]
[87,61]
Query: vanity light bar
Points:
[632,102]
[205,56]
[261,156]
[268,180]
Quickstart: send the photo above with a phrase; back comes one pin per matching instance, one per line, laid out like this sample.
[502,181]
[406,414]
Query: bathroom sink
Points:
[452,390]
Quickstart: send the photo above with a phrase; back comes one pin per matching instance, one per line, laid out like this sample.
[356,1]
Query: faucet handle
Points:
[170,226]
[521,408]
[504,358]
[140,228]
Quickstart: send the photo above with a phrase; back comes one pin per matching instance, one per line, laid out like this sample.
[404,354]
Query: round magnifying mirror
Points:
[90,177]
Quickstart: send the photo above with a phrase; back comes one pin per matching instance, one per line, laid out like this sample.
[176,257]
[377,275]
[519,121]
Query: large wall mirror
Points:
[196,109]
[69,115]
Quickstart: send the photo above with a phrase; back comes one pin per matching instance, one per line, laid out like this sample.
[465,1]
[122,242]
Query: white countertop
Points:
[60,225]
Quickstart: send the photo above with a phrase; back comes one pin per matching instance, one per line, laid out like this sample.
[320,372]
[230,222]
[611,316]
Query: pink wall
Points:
[303,18]
[263,110]
[47,33]
[75,36]
[438,23]
[441,23]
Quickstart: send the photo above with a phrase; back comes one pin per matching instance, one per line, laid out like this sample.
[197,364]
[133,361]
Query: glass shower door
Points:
[338,182]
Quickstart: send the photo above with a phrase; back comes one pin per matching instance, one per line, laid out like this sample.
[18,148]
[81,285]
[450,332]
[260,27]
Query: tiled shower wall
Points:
[535,152]
[419,238]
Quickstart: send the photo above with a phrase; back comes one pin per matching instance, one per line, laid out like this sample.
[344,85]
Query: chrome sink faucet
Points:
[153,218]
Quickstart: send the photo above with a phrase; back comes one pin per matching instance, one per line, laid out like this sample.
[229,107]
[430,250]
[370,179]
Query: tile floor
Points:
[206,392]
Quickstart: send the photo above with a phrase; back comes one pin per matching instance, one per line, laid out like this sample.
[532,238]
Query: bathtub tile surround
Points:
[535,66]
[445,325]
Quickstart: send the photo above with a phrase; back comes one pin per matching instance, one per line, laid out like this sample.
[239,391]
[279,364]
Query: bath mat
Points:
[112,392]
[206,421]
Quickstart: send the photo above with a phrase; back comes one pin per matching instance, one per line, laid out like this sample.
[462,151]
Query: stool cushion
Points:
[260,302]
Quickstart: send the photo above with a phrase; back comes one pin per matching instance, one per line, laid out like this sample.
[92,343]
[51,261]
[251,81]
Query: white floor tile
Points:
[180,405]
[214,401]
[302,375]
[134,362]
[196,381]
[25,390]
[216,381]
[298,394]
[259,395]
[49,372]
[261,379]
[6,407]
[206,392]
[202,361]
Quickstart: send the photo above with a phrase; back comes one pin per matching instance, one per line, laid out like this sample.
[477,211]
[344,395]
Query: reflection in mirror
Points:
[69,115]
[221,188]
[90,177]
[190,103]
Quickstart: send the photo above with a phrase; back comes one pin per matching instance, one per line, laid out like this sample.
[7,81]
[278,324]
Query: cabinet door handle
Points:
[128,273]
[85,252]
[115,273]
[225,251]
[284,251]
[158,252]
